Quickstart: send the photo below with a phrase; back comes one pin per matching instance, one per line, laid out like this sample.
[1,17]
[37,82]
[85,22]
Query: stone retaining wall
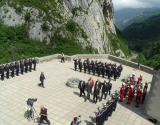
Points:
[96,56]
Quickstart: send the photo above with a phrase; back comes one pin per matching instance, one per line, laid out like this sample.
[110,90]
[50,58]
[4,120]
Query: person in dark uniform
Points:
[85,66]
[12,69]
[17,68]
[81,87]
[98,69]
[80,65]
[104,90]
[103,70]
[42,77]
[2,72]
[26,65]
[88,89]
[115,73]
[34,63]
[96,93]
[109,72]
[93,68]
[89,67]
[30,65]
[110,107]
[75,64]
[99,117]
[109,87]
[6,68]
[115,97]
[43,115]
[22,67]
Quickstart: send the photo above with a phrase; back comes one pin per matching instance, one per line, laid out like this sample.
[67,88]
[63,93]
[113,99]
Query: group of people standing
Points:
[95,88]
[132,88]
[107,109]
[21,66]
[99,68]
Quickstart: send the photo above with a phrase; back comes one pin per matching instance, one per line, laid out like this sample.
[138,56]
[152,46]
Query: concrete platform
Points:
[63,103]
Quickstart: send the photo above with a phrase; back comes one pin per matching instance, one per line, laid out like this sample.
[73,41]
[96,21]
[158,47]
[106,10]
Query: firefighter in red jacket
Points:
[140,79]
[122,92]
[129,95]
[139,96]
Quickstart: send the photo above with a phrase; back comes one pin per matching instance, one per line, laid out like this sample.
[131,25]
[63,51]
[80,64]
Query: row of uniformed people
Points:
[100,68]
[22,65]
[107,109]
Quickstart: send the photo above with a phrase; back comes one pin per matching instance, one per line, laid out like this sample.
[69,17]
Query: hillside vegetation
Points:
[144,38]
[26,47]
[128,16]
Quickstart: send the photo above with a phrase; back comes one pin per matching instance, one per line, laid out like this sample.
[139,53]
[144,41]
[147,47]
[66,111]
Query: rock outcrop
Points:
[94,17]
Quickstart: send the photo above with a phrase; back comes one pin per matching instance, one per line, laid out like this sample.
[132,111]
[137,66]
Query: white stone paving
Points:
[63,103]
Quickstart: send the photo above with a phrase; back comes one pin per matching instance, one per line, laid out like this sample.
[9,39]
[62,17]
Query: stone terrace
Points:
[62,102]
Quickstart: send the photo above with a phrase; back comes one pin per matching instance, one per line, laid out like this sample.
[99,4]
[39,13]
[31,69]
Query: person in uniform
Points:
[26,65]
[109,72]
[122,92]
[116,97]
[99,117]
[42,77]
[75,64]
[12,69]
[81,87]
[22,67]
[115,73]
[17,68]
[93,68]
[43,115]
[80,65]
[88,89]
[6,68]
[2,72]
[138,99]
[85,66]
[99,69]
[34,63]
[104,90]
[140,79]
[103,70]
[30,65]
[129,95]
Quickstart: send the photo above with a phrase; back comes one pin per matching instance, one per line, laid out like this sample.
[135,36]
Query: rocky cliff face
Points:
[94,17]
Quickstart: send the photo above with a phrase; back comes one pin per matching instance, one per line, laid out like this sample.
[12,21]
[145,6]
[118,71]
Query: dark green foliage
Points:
[45,27]
[144,38]
[71,26]
[117,41]
[27,17]
[74,11]
[18,9]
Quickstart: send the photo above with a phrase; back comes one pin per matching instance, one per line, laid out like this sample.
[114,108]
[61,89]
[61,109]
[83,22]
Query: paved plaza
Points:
[63,103]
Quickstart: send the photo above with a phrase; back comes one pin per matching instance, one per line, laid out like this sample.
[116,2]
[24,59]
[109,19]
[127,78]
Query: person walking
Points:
[96,93]
[42,77]
[81,87]
[88,89]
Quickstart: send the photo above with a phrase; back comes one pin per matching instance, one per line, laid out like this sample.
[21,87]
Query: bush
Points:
[45,27]
[71,26]
[27,17]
